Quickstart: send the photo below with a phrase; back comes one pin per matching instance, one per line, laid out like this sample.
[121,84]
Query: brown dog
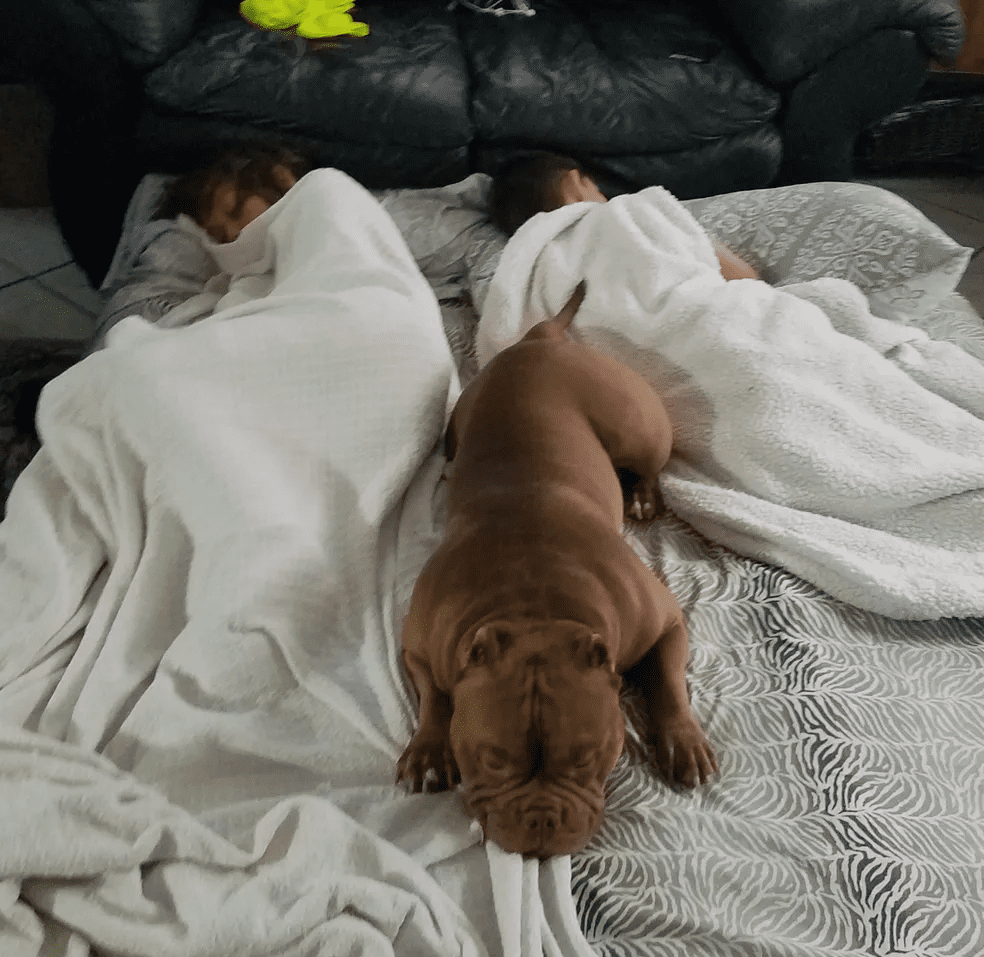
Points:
[523,620]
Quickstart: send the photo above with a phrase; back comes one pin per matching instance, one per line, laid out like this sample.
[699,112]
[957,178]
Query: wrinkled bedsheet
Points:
[203,574]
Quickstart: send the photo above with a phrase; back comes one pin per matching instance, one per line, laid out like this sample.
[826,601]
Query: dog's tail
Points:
[552,328]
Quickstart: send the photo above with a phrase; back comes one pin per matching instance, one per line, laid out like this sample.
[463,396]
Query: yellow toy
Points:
[313,19]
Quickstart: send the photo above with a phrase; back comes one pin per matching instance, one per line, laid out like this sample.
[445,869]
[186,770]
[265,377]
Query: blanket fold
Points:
[203,576]
[809,433]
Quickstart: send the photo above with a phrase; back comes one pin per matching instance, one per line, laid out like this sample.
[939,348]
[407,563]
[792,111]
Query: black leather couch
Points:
[702,96]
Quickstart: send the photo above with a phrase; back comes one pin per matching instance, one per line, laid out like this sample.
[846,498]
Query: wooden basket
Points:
[939,130]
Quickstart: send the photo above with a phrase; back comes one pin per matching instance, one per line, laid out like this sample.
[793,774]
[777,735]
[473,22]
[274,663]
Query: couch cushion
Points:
[725,165]
[176,144]
[404,83]
[622,77]
[148,31]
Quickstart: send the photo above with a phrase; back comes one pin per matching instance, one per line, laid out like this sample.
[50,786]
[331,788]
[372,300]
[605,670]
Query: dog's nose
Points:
[540,825]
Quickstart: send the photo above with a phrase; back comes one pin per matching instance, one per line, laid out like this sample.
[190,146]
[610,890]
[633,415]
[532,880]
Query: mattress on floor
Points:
[848,818]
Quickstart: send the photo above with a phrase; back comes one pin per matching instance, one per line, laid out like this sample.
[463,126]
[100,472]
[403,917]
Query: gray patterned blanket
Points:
[848,818]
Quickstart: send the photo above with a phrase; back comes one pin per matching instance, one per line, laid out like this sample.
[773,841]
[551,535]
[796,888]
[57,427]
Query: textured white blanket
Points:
[809,433]
[202,578]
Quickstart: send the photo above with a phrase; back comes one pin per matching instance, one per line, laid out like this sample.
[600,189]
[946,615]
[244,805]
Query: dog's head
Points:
[536,729]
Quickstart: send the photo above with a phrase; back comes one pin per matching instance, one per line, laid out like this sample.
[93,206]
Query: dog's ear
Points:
[487,647]
[591,652]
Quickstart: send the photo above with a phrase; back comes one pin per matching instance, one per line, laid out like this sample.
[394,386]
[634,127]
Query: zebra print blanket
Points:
[848,818]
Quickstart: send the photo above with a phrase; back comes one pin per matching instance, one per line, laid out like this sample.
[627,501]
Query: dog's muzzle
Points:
[542,818]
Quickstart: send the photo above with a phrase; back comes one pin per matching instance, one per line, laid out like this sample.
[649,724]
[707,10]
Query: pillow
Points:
[903,263]
[955,320]
[158,264]
[161,265]
[441,226]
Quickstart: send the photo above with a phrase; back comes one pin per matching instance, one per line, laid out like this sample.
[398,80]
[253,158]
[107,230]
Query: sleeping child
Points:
[808,432]
[243,182]
[173,279]
[544,181]
[175,271]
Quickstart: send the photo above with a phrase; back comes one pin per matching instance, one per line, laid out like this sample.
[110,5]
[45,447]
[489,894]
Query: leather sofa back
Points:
[147,31]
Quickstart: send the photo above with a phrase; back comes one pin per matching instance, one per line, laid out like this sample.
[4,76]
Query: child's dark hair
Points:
[526,185]
[248,166]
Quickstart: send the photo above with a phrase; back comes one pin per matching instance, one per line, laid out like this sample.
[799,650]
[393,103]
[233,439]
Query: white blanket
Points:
[808,433]
[202,578]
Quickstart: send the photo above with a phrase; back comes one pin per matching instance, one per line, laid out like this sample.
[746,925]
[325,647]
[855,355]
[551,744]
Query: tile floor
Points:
[43,293]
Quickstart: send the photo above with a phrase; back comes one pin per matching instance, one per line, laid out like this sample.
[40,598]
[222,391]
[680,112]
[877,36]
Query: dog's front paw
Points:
[683,755]
[428,764]
[644,501]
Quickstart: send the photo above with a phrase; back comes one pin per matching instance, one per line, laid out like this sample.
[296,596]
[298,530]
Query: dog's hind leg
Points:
[631,423]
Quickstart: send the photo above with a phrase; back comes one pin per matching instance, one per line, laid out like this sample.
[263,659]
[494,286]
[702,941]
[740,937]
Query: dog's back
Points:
[514,376]
[532,570]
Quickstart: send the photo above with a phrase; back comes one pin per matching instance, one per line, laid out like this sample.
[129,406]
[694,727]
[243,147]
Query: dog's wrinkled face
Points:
[536,729]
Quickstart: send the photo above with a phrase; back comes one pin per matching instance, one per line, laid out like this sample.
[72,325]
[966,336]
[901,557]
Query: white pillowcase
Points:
[903,262]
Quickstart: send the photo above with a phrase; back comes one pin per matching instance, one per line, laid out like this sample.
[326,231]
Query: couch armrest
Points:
[790,38]
[61,46]
[827,111]
[148,31]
